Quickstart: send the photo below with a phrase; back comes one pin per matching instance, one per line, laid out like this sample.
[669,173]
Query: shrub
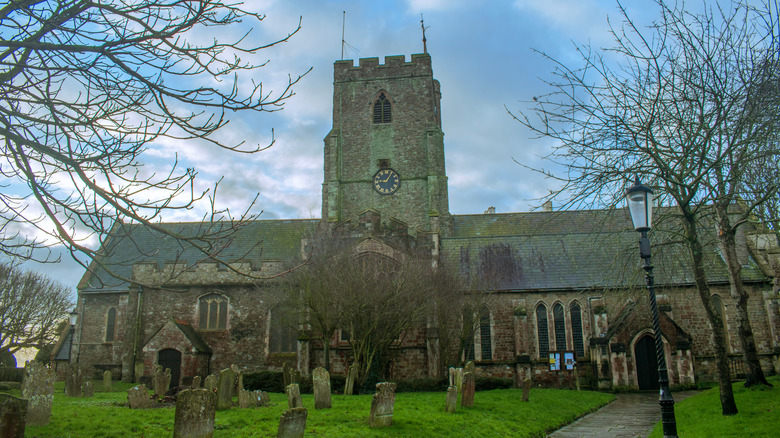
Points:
[268,381]
[422,385]
[488,383]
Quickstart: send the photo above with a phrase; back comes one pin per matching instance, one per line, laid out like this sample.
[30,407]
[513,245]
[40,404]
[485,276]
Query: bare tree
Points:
[667,104]
[31,308]
[88,86]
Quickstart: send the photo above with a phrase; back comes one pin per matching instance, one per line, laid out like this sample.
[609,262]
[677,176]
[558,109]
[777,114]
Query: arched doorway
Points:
[646,363]
[170,358]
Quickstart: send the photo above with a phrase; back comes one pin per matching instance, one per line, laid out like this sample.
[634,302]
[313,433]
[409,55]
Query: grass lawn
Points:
[700,415]
[496,413]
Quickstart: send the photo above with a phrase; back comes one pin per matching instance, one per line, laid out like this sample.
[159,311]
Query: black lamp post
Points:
[73,318]
[640,205]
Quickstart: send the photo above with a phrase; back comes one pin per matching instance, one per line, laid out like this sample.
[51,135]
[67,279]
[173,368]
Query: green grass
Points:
[496,413]
[700,415]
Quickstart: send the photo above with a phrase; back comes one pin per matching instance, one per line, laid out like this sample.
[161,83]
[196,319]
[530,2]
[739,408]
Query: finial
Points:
[425,42]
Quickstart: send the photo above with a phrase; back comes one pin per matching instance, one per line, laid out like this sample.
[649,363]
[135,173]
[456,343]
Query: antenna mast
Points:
[343,23]
[425,42]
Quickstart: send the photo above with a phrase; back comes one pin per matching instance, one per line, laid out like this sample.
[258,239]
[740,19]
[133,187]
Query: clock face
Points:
[386,181]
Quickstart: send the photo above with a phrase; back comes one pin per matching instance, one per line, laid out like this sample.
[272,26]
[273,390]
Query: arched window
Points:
[576,329]
[382,109]
[720,310]
[560,327]
[485,336]
[213,312]
[110,324]
[282,337]
[541,331]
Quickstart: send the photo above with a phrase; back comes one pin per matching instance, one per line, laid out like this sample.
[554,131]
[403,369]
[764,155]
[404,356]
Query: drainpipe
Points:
[137,331]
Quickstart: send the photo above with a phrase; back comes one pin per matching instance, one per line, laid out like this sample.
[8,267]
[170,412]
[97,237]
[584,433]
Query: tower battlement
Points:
[370,68]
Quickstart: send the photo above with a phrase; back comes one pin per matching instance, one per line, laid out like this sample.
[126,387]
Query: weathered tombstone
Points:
[13,416]
[470,367]
[452,376]
[158,381]
[469,387]
[227,380]
[240,384]
[73,380]
[295,376]
[382,404]
[349,385]
[210,383]
[138,397]
[195,413]
[38,389]
[88,390]
[286,374]
[452,399]
[107,381]
[294,399]
[196,382]
[246,399]
[167,381]
[292,423]
[459,379]
[321,382]
[263,398]
[526,388]
[237,371]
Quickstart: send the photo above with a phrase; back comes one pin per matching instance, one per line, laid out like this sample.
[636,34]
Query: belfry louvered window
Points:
[382,110]
[541,331]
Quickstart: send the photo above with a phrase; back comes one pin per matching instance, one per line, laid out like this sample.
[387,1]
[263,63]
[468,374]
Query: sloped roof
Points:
[193,336]
[255,242]
[571,250]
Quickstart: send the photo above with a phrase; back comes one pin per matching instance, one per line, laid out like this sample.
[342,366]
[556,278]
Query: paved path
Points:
[630,415]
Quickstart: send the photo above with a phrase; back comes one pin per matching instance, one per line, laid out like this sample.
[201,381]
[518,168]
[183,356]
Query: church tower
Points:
[386,149]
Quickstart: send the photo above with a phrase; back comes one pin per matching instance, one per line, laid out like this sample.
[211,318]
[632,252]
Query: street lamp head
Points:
[73,317]
[640,204]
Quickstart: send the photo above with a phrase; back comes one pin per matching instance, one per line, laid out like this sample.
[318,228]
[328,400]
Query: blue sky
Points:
[482,54]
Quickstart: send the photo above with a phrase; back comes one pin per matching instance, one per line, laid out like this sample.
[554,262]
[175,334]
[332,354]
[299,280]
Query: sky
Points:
[483,54]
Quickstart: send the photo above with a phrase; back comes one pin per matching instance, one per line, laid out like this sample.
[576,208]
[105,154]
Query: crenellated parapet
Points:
[371,69]
[180,274]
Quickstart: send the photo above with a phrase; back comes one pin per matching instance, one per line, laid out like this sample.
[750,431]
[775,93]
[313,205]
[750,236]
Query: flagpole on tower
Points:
[425,42]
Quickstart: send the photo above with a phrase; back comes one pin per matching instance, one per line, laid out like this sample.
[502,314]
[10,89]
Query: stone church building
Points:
[565,281]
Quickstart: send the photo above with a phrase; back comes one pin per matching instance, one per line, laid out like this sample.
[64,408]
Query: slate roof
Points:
[257,241]
[193,336]
[570,250]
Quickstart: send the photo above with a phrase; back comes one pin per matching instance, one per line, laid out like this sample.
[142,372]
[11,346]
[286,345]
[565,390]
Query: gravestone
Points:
[225,385]
[73,380]
[349,384]
[382,404]
[240,383]
[470,368]
[469,387]
[195,413]
[526,389]
[321,382]
[89,389]
[13,416]
[292,423]
[211,382]
[459,379]
[247,399]
[286,374]
[295,376]
[452,376]
[107,381]
[264,399]
[38,389]
[452,399]
[196,382]
[239,380]
[138,397]
[158,381]
[294,399]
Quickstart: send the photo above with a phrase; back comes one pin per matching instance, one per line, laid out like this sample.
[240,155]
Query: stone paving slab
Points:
[629,415]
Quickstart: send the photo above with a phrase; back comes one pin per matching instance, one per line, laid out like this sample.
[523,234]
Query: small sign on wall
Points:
[562,360]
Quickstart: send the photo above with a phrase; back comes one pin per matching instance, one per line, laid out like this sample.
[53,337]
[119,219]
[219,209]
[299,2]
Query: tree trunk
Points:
[727,236]
[727,403]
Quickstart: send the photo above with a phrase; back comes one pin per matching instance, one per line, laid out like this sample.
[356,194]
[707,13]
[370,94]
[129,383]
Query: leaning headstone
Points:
[227,380]
[89,389]
[526,389]
[167,380]
[107,381]
[294,399]
[452,399]
[459,379]
[238,380]
[196,382]
[292,424]
[73,381]
[382,405]
[158,381]
[470,367]
[195,413]
[349,385]
[263,398]
[321,382]
[210,383]
[469,387]
[286,374]
[13,416]
[38,388]
[138,397]
[240,383]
